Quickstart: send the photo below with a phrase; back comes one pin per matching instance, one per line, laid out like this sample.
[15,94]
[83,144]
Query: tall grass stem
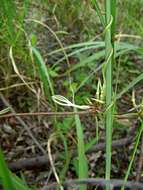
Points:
[109,58]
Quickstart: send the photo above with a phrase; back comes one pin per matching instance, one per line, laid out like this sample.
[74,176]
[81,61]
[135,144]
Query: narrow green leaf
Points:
[138,137]
[107,76]
[82,161]
[129,86]
[44,73]
[19,184]
[5,174]
[99,13]
[8,9]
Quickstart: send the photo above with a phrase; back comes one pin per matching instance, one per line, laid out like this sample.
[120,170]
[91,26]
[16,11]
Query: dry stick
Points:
[62,114]
[43,162]
[140,165]
[96,181]
[22,123]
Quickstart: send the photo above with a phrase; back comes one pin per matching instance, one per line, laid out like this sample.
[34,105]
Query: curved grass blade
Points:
[99,13]
[19,184]
[44,74]
[120,48]
[5,174]
[133,154]
[78,45]
[129,86]
[8,180]
[82,161]
[107,75]
[8,10]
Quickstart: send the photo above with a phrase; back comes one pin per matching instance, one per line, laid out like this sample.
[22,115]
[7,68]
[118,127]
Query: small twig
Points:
[96,181]
[22,123]
[62,114]
[140,165]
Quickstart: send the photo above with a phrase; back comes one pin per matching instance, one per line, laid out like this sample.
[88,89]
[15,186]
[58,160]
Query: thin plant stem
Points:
[108,80]
[133,154]
[99,13]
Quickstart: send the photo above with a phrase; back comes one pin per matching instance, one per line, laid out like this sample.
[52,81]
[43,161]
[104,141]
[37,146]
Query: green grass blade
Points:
[77,45]
[130,85]
[21,17]
[13,16]
[123,49]
[113,26]
[134,153]
[108,50]
[82,161]
[19,184]
[9,180]
[67,157]
[80,50]
[8,10]
[95,69]
[120,48]
[99,13]
[44,74]
[5,174]
[96,44]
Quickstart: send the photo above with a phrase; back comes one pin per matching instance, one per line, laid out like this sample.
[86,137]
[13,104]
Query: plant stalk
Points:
[109,58]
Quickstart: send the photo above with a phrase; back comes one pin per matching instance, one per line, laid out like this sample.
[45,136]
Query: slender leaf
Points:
[82,161]
[5,174]
[44,73]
